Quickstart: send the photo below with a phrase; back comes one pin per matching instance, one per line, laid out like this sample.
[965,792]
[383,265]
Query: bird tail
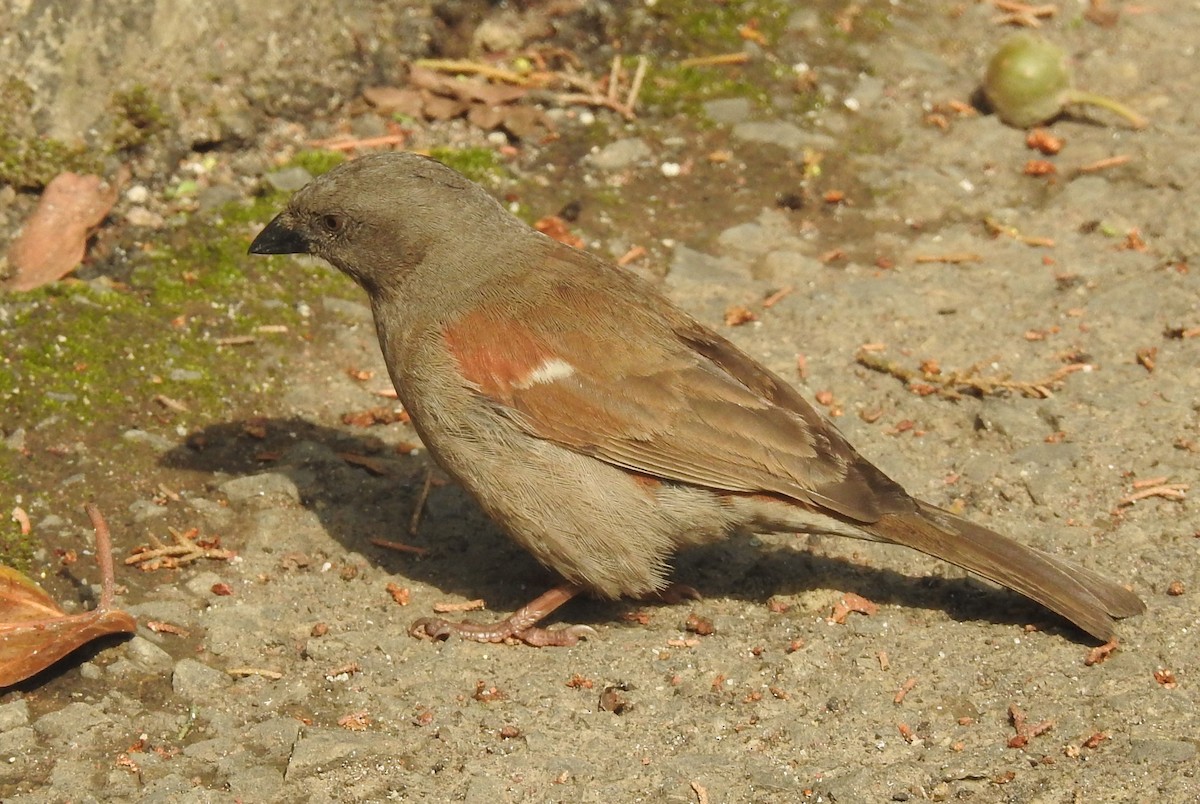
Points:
[1086,598]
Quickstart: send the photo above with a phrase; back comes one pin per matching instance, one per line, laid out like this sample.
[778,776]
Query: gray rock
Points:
[73,776]
[785,135]
[319,751]
[71,723]
[202,582]
[143,510]
[15,440]
[196,681]
[274,738]
[620,154]
[211,198]
[1173,751]
[687,264]
[18,748]
[728,110]
[351,310]
[772,230]
[151,439]
[256,783]
[266,488]
[289,180]
[13,714]
[145,653]
[215,515]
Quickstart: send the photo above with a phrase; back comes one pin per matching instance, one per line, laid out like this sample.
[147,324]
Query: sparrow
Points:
[600,425]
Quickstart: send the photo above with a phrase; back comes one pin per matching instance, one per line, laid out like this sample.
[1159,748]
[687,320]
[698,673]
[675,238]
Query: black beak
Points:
[277,238]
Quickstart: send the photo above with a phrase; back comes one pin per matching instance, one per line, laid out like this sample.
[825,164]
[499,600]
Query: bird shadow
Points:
[355,485]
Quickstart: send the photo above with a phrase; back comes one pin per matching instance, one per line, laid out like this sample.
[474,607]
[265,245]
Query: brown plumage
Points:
[601,426]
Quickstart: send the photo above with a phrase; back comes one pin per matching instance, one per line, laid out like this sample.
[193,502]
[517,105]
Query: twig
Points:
[354,144]
[183,551]
[775,297]
[716,61]
[905,689]
[1103,164]
[635,87]
[414,521]
[954,384]
[465,67]
[953,259]
[399,547]
[255,671]
[1168,491]
[1022,13]
[470,605]
[996,229]
[614,78]
[103,555]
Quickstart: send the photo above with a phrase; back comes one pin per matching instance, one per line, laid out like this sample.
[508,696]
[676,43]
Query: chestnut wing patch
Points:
[664,406]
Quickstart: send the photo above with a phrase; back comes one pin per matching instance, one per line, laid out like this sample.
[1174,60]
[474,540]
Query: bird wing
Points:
[633,381]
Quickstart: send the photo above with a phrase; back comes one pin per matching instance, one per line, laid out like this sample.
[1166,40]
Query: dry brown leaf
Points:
[489,94]
[35,632]
[54,239]
[438,107]
[389,100]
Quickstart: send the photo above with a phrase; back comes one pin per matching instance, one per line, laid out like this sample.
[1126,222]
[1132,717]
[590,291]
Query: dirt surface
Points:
[834,167]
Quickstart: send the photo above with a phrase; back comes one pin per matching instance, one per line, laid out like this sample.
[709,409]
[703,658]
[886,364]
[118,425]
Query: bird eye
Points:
[331,223]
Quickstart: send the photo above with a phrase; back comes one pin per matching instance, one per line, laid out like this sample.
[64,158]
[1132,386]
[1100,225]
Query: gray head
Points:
[378,217]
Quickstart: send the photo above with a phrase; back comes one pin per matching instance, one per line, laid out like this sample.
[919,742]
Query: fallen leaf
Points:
[54,238]
[390,100]
[35,632]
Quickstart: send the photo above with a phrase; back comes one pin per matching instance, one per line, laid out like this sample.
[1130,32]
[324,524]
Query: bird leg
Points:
[520,625]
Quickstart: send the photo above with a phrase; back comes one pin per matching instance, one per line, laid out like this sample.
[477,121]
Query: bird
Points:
[601,426]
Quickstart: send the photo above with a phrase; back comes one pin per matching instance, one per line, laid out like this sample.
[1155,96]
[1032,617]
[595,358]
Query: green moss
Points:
[89,352]
[139,118]
[477,164]
[867,25]
[317,162]
[28,160]
[703,25]
[16,551]
[684,89]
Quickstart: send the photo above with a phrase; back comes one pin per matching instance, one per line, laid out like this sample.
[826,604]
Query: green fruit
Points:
[1028,82]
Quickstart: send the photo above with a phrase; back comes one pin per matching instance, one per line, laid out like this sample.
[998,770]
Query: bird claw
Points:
[557,637]
[433,628]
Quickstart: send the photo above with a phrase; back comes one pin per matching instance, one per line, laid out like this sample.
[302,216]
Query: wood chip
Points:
[255,671]
[904,690]
[469,605]
[851,602]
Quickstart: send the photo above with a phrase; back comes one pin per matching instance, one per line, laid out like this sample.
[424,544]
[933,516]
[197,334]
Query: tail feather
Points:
[1084,597]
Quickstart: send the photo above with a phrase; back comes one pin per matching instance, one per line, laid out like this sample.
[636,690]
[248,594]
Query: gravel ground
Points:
[293,677]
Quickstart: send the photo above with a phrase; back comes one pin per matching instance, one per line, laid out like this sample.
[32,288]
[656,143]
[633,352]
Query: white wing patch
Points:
[551,370]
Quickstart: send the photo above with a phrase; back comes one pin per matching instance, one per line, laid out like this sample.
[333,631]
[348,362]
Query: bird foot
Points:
[520,626]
